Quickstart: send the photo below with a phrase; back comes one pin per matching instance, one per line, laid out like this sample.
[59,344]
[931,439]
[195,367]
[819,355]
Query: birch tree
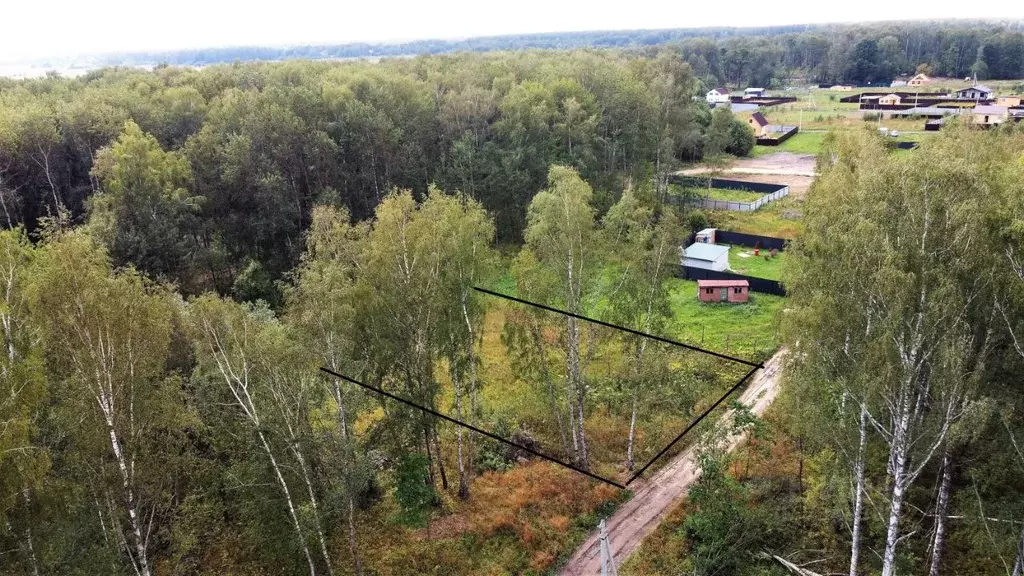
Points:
[247,354]
[23,461]
[909,298]
[648,253]
[106,338]
[321,305]
[561,235]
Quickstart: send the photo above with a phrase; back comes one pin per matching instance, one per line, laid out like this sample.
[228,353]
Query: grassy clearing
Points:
[747,330]
[730,195]
[716,193]
[743,261]
[781,219]
[801,143]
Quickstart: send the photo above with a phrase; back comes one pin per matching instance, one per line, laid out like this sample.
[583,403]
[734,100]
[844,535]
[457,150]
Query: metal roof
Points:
[979,88]
[706,252]
[991,110]
[722,283]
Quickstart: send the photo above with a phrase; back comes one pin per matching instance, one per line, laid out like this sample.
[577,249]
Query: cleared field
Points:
[747,330]
[801,143]
[781,219]
[743,261]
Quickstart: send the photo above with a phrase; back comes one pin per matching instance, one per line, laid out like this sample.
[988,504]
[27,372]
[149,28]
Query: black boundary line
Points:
[473,428]
[694,423]
[623,328]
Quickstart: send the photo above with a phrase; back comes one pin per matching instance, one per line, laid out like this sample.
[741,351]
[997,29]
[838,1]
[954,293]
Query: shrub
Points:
[872,116]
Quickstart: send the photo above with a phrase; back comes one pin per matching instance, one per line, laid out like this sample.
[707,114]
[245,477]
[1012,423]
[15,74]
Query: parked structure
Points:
[717,96]
[976,92]
[723,290]
[919,80]
[753,93]
[707,256]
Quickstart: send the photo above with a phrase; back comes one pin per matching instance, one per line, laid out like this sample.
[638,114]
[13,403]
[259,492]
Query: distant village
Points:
[910,97]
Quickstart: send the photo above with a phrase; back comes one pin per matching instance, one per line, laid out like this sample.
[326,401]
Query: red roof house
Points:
[723,290]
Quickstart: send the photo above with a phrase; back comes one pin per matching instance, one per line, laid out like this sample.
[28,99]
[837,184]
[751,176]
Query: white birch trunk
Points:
[941,509]
[858,499]
[1018,566]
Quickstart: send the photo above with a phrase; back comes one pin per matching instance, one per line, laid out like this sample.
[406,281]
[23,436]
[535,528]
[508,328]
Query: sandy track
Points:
[655,498]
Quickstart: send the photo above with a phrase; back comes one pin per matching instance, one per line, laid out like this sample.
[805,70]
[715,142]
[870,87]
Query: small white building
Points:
[717,96]
[707,256]
[753,93]
[705,236]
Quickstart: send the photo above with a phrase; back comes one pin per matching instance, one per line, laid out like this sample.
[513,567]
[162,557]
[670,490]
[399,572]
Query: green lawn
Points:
[801,143]
[716,193]
[743,261]
[781,219]
[747,330]
[729,195]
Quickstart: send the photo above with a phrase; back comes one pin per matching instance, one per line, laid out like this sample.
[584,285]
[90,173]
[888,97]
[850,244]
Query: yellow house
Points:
[990,115]
[1008,101]
[889,100]
[757,122]
[919,80]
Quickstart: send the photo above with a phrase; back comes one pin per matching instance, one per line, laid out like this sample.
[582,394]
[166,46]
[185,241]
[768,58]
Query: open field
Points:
[715,193]
[781,219]
[743,261]
[800,143]
[747,330]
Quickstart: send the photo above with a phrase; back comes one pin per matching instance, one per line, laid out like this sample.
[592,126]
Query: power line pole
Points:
[607,562]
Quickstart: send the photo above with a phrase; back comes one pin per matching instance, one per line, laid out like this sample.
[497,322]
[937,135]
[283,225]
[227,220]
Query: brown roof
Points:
[722,283]
[760,119]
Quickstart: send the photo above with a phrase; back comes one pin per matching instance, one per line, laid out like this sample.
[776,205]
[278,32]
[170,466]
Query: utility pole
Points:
[607,562]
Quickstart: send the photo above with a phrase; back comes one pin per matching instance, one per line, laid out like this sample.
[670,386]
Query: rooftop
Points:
[991,110]
[722,283]
[707,252]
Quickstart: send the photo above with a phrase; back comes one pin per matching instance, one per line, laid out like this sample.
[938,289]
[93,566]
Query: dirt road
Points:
[656,497]
[794,170]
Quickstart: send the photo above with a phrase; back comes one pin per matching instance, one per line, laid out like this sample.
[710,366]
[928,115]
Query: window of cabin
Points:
[737,290]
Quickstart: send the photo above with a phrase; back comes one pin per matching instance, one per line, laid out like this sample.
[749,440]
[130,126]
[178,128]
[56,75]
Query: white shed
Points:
[707,256]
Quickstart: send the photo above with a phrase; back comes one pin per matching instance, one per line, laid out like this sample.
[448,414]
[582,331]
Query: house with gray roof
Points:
[707,256]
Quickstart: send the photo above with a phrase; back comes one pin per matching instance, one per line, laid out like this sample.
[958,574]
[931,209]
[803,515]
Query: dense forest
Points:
[740,57]
[235,157]
[183,249]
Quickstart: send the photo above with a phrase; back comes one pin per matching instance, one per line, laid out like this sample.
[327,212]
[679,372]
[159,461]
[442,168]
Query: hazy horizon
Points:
[73,30]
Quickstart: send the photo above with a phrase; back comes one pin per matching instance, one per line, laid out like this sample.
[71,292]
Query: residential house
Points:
[1008,101]
[707,256]
[889,100]
[976,92]
[723,290]
[758,123]
[990,115]
[753,93]
[717,96]
[919,80]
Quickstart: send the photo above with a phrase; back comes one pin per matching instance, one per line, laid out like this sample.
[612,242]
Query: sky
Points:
[30,30]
